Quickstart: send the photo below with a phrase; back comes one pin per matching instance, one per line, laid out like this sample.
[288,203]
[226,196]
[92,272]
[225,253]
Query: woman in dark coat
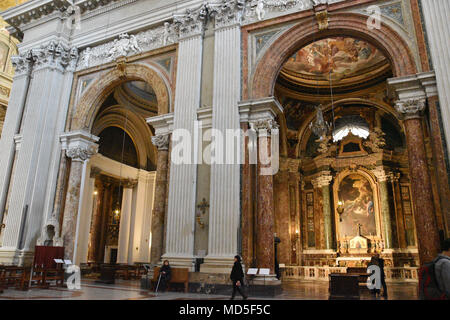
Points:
[165,273]
[237,276]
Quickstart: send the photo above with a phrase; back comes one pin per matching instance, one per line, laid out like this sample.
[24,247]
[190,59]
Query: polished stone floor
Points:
[130,290]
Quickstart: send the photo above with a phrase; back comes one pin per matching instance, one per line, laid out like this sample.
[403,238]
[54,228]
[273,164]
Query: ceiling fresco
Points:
[345,57]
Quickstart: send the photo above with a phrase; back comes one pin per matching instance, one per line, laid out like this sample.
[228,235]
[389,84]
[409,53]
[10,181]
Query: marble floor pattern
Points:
[130,290]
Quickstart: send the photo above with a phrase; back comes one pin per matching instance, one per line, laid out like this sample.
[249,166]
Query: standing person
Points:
[434,277]
[165,273]
[374,262]
[443,268]
[237,276]
[383,276]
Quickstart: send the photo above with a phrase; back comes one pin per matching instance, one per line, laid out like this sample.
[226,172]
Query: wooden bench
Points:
[178,275]
[13,276]
[127,272]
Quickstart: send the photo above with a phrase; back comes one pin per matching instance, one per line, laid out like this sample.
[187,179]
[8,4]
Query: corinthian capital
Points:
[22,63]
[411,108]
[192,23]
[81,153]
[55,55]
[79,145]
[161,142]
[264,127]
[323,180]
[381,174]
[228,13]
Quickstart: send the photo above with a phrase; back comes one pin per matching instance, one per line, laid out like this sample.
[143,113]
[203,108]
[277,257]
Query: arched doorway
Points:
[117,183]
[328,85]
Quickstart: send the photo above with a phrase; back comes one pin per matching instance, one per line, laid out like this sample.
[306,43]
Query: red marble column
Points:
[162,142]
[426,226]
[282,213]
[248,193]
[265,251]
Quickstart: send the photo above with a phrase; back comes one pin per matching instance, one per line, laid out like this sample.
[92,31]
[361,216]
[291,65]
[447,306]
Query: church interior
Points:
[351,191]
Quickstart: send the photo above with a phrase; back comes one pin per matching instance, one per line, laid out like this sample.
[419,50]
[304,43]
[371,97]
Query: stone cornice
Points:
[261,109]
[163,124]
[33,10]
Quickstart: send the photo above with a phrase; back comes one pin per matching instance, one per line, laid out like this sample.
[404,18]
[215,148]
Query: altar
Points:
[352,261]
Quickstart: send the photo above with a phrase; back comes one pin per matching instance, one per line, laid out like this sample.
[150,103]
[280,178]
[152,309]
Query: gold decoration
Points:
[322,19]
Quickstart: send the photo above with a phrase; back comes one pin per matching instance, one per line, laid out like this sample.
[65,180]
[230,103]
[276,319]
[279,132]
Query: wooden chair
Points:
[45,268]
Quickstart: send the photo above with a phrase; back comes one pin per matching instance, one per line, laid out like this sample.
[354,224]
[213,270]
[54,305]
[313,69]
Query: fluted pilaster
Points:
[225,206]
[437,15]
[183,176]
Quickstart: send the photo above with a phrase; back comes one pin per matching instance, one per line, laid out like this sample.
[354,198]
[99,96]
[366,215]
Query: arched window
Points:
[350,124]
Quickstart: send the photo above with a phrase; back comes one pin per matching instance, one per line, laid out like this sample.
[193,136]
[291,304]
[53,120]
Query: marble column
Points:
[265,208]
[294,184]
[261,144]
[81,146]
[224,215]
[282,211]
[158,217]
[180,229]
[383,177]
[125,222]
[108,184]
[13,119]
[426,225]
[401,232]
[96,221]
[140,249]
[323,182]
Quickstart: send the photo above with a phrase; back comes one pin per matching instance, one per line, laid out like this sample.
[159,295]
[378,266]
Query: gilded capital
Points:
[323,180]
[381,174]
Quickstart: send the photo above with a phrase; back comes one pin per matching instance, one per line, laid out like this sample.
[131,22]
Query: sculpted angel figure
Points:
[86,57]
[133,44]
[260,12]
[166,34]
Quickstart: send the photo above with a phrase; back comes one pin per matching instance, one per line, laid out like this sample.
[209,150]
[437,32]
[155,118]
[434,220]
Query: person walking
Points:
[383,275]
[374,262]
[237,277]
[165,274]
[434,277]
[443,268]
